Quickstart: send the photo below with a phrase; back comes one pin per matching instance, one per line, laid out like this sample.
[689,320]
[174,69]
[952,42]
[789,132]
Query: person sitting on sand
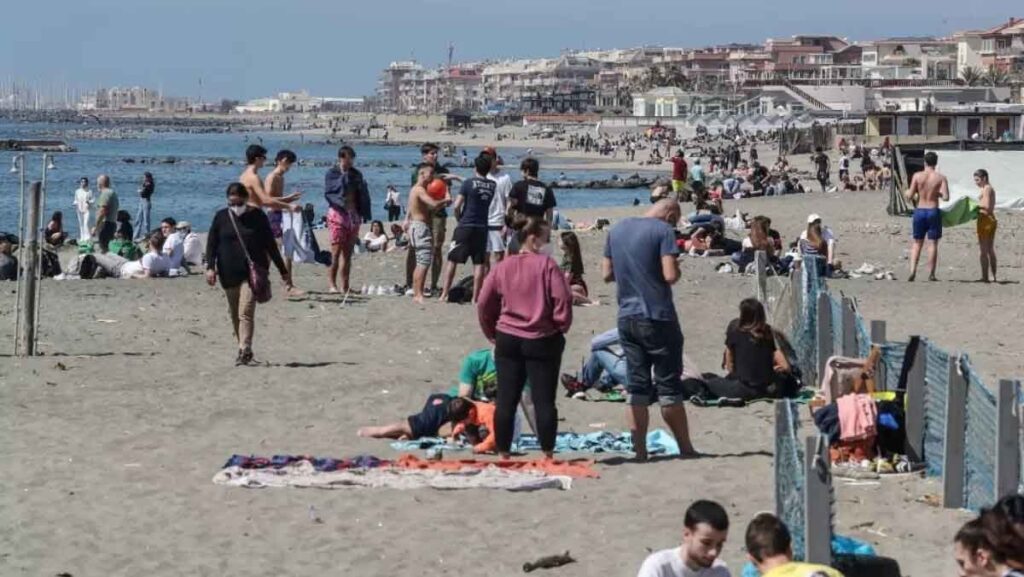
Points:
[705,529]
[8,262]
[375,239]
[818,240]
[152,264]
[756,367]
[463,414]
[760,238]
[55,235]
[770,549]
[572,267]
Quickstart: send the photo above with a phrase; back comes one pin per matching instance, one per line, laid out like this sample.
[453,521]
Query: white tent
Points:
[1005,170]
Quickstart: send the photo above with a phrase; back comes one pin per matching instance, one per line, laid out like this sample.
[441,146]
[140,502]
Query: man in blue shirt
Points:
[641,257]
[470,238]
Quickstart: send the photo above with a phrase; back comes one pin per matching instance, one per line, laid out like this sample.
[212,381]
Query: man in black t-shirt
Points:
[531,197]
[470,238]
[821,162]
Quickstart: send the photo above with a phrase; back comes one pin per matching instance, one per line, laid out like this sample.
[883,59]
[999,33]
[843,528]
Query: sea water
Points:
[192,190]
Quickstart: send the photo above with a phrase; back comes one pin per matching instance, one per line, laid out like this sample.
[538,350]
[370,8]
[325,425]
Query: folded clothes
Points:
[659,442]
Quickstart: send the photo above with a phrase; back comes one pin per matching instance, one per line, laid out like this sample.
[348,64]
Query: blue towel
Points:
[659,442]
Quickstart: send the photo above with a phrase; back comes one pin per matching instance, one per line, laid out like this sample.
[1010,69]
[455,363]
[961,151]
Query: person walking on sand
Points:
[257,196]
[525,309]
[986,224]
[142,221]
[348,198]
[274,186]
[240,237]
[83,203]
[417,226]
[640,256]
[927,188]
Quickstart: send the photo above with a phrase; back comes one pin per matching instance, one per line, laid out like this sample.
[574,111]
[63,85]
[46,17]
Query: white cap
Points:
[813,217]
[183,225]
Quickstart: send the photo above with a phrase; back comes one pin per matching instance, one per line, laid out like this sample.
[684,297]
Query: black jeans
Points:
[518,359]
[652,346]
[394,212]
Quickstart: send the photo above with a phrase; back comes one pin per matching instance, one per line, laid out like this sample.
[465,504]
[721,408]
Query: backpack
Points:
[462,292]
[50,263]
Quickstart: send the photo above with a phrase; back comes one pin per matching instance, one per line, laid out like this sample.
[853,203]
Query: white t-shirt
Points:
[193,249]
[83,199]
[157,264]
[499,202]
[374,243]
[669,563]
[174,249]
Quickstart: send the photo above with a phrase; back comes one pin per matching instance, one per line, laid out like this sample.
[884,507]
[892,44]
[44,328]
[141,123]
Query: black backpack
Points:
[462,292]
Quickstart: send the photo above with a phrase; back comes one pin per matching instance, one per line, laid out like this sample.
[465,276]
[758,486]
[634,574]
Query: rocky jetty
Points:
[632,181]
[36,146]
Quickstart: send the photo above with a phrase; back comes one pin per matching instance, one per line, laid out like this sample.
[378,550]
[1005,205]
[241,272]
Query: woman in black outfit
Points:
[756,367]
[226,257]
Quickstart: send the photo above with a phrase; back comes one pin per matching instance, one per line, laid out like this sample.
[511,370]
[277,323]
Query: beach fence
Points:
[962,430]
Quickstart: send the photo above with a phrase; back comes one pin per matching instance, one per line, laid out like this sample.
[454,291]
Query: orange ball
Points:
[437,189]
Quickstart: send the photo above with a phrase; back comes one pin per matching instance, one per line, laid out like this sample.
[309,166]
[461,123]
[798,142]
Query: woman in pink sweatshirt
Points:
[525,308]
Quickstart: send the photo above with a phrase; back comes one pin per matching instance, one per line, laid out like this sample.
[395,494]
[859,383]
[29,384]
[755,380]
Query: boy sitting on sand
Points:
[466,416]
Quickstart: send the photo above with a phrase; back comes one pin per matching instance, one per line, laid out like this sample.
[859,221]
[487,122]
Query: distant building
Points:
[1002,47]
[671,101]
[989,123]
[300,102]
[133,99]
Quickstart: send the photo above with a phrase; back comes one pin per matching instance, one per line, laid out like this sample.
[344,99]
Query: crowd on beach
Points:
[524,300]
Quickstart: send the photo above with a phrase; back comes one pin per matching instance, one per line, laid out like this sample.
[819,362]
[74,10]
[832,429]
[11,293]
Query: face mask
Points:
[238,210]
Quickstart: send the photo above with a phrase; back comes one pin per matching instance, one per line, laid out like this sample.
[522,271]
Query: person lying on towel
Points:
[473,419]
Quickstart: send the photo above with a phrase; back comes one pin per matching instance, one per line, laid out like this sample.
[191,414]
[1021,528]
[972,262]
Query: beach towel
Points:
[962,211]
[579,468]
[659,442]
[294,242]
[304,474]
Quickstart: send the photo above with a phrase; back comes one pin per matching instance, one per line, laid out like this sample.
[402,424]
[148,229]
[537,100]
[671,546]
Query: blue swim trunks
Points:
[927,222]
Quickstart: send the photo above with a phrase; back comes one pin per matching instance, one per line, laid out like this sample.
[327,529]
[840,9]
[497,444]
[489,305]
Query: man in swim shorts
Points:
[927,188]
[986,224]
[417,225]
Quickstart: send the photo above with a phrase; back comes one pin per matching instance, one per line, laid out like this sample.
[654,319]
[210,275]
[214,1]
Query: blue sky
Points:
[252,48]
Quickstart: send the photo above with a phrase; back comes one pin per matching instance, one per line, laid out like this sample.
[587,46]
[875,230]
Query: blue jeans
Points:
[142,224]
[604,370]
[654,360]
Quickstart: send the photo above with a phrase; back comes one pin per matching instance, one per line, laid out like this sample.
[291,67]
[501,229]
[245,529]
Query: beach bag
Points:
[462,292]
[50,263]
[259,276]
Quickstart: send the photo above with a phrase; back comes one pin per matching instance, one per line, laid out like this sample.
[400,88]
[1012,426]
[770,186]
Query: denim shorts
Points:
[654,361]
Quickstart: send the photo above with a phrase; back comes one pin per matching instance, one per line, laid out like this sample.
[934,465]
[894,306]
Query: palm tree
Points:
[971,75]
[996,77]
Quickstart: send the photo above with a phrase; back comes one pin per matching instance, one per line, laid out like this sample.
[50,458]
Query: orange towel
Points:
[580,468]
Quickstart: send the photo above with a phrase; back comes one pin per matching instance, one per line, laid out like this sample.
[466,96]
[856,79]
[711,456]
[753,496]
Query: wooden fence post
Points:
[782,417]
[953,458]
[824,338]
[817,501]
[849,329]
[1008,447]
[915,404]
[878,338]
[28,277]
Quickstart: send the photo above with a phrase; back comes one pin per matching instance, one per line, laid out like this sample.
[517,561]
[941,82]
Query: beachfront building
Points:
[910,58]
[802,57]
[670,101]
[396,87]
[300,102]
[993,122]
[1002,47]
[564,84]
[131,99]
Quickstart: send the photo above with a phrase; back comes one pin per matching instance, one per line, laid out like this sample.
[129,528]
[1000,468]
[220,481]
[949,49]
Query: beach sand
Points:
[110,439]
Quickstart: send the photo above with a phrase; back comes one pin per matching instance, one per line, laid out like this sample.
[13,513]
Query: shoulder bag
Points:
[259,276]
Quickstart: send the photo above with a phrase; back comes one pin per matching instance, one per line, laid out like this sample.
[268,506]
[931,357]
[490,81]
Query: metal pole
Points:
[39,270]
[26,337]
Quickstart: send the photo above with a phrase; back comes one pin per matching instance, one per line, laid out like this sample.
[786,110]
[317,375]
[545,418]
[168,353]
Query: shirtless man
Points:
[986,224]
[255,158]
[927,188]
[417,226]
[274,186]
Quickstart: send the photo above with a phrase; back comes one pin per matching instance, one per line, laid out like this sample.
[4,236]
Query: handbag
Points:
[259,276]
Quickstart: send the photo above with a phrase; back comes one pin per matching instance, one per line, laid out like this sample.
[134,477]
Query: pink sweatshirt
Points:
[526,296]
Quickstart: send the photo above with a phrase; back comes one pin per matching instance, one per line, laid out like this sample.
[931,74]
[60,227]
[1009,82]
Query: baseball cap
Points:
[813,217]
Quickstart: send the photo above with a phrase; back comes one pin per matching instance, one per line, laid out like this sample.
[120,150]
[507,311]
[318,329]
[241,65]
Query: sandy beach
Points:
[113,435]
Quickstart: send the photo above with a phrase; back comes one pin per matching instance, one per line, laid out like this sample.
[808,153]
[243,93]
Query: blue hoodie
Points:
[337,183]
